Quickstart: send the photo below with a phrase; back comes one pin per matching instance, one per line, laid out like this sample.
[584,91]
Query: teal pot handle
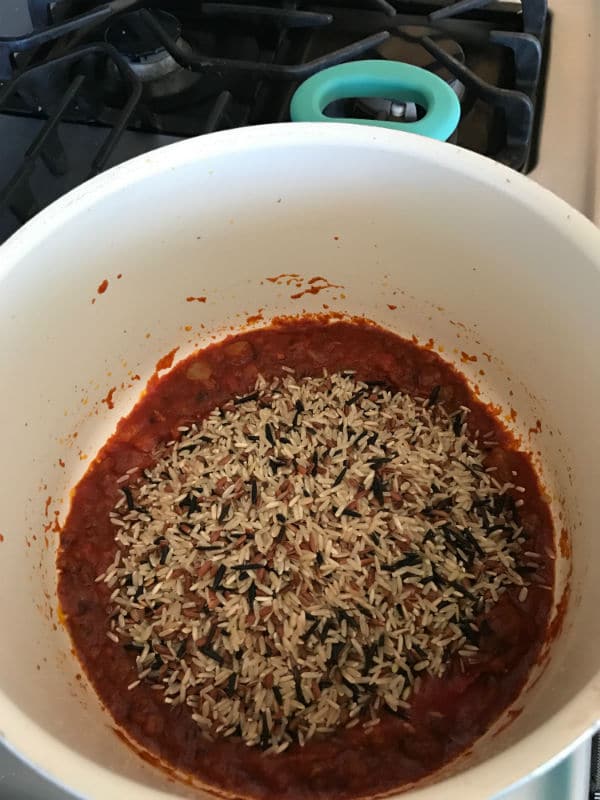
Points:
[393,80]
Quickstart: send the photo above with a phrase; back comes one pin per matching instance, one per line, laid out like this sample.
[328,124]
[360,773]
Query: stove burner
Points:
[174,69]
[388,110]
[397,49]
[134,39]
[165,82]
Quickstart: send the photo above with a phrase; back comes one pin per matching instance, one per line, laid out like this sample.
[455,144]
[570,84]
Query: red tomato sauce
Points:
[447,714]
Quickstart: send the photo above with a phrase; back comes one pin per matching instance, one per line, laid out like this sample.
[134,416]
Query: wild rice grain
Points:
[285,561]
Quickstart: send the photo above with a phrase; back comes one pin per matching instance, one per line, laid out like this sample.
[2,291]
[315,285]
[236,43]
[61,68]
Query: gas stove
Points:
[86,84]
[94,82]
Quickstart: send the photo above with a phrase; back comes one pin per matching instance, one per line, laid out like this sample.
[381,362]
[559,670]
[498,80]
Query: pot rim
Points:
[42,750]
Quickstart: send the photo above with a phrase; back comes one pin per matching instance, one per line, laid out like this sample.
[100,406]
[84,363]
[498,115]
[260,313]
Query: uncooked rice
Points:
[294,563]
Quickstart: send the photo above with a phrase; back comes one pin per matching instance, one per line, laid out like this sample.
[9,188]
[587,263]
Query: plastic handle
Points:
[390,79]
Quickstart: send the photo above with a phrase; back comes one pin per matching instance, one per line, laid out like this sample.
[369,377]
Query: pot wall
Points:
[422,237]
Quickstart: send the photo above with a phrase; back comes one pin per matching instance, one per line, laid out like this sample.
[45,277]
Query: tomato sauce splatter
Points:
[564,543]
[285,277]
[108,400]
[316,285]
[537,427]
[167,360]
[254,318]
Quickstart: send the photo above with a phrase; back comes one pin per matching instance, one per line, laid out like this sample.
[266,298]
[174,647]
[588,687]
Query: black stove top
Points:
[94,83]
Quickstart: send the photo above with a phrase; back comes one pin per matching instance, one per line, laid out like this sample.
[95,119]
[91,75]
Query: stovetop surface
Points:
[95,83]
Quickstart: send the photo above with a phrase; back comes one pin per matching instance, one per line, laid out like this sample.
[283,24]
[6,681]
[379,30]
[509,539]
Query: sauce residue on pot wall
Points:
[287,278]
[511,715]
[316,285]
[313,285]
[166,361]
[108,400]
[254,318]
[564,543]
[556,625]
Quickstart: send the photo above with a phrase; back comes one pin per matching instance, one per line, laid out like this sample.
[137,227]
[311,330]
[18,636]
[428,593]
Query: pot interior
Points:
[420,237]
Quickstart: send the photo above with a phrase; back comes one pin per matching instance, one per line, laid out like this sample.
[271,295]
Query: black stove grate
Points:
[47,146]
[183,69]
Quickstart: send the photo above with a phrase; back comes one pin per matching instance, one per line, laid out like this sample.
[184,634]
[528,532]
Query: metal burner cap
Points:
[397,48]
[133,39]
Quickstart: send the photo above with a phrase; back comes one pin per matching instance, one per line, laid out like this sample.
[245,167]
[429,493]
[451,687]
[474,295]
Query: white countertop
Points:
[569,156]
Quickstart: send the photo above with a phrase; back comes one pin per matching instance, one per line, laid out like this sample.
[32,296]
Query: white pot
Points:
[473,255]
